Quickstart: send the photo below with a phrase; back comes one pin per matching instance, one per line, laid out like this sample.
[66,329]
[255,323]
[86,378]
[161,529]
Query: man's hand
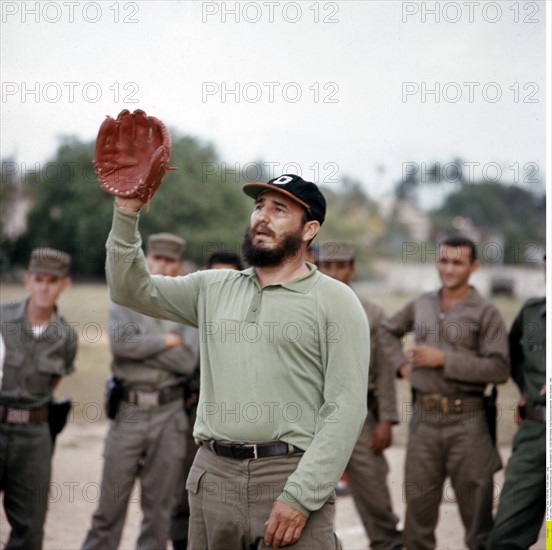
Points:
[405,370]
[284,526]
[427,356]
[381,437]
[517,413]
[173,340]
[128,205]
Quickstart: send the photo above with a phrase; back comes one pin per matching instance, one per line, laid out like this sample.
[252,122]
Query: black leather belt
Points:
[153,398]
[242,450]
[13,415]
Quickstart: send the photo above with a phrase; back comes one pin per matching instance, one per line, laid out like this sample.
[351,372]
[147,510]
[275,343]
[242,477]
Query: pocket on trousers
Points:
[194,479]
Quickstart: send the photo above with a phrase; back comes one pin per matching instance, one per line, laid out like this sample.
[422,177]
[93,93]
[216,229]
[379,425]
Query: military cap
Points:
[166,245]
[49,260]
[335,251]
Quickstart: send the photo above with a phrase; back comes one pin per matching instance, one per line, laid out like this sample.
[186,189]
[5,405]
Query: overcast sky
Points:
[337,88]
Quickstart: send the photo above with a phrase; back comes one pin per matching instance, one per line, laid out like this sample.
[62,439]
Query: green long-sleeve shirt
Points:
[285,362]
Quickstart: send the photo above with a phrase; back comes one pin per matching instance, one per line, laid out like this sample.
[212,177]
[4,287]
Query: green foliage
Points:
[508,210]
[199,202]
[8,195]
[352,216]
[203,202]
[71,212]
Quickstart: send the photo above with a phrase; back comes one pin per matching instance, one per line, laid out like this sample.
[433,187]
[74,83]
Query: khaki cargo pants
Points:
[230,501]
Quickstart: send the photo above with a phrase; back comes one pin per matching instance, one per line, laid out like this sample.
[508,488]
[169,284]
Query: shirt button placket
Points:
[254,308]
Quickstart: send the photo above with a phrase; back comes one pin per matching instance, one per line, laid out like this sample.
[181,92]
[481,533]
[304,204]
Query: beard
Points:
[259,256]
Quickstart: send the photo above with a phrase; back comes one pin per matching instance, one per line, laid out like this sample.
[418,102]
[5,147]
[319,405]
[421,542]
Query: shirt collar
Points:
[302,284]
[472,298]
[20,311]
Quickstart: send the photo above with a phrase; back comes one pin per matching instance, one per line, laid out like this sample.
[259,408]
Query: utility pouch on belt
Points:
[58,411]
[191,392]
[113,396]
[489,406]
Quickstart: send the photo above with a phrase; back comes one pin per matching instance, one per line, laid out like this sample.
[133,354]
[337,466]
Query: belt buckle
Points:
[430,403]
[148,399]
[18,416]
[254,447]
[445,405]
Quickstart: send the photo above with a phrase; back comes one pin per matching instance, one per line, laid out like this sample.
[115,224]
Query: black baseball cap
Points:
[296,188]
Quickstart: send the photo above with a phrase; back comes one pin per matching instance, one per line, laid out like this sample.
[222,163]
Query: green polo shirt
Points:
[285,362]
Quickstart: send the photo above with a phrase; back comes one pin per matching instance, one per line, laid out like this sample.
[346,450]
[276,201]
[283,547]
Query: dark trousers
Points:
[25,455]
[523,496]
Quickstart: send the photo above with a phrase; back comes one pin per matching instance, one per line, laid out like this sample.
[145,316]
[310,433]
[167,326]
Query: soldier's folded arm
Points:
[179,360]
[127,340]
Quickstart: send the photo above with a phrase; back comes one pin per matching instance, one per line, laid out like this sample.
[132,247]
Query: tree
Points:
[351,215]
[515,213]
[71,212]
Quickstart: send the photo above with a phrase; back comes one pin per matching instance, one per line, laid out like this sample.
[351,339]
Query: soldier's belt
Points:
[242,450]
[449,404]
[536,412]
[153,398]
[13,415]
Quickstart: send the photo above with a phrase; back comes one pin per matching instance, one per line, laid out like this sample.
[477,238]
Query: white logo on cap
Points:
[282,180]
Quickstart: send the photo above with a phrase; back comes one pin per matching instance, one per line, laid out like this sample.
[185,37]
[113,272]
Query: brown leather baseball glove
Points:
[132,155]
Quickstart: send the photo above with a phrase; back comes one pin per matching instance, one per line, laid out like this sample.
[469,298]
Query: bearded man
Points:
[284,371]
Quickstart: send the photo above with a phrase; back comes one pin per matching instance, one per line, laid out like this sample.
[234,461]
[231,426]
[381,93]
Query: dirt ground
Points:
[76,476]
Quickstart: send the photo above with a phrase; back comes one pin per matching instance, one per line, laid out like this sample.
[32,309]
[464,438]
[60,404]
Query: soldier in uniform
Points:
[367,468]
[523,497]
[461,346]
[147,438]
[40,348]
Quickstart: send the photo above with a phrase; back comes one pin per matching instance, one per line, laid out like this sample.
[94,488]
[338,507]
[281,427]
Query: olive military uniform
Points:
[448,431]
[147,438]
[367,470]
[34,355]
[522,500]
